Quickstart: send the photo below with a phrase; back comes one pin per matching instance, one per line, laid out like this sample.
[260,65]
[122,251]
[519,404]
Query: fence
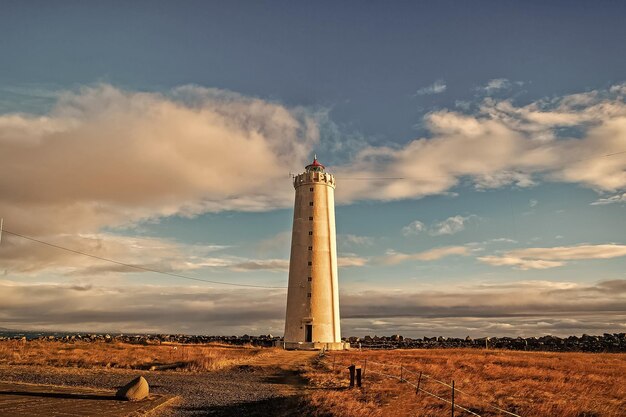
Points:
[405,375]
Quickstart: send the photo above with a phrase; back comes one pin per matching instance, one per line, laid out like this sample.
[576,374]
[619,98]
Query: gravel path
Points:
[269,386]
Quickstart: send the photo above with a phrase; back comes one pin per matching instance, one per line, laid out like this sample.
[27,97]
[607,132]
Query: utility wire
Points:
[141,268]
[156,271]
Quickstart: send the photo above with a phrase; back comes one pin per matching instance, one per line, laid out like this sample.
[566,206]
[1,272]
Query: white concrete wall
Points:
[321,309]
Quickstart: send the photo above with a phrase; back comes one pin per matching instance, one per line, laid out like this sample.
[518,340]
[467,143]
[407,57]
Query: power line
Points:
[141,268]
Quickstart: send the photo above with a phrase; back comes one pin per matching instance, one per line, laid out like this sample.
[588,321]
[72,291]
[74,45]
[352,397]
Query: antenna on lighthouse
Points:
[1,227]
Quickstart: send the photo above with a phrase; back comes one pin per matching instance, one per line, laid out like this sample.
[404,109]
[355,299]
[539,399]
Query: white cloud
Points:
[544,258]
[355,240]
[502,144]
[450,226]
[519,262]
[437,87]
[348,261]
[502,240]
[618,198]
[104,157]
[413,228]
[23,256]
[496,84]
[275,265]
[196,150]
[107,157]
[533,203]
[392,257]
[277,244]
[19,256]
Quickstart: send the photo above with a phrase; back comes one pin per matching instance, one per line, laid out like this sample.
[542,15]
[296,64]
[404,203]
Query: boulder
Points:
[135,390]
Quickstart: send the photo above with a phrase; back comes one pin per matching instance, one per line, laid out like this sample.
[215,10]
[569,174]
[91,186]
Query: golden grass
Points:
[526,383]
[123,355]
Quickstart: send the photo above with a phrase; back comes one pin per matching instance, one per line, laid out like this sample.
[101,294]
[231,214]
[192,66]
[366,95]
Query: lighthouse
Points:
[312,318]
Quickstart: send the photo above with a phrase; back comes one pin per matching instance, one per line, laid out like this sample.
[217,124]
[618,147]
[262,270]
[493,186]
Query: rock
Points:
[135,390]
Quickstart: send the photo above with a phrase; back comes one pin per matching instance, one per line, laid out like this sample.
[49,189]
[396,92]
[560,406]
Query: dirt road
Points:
[269,385]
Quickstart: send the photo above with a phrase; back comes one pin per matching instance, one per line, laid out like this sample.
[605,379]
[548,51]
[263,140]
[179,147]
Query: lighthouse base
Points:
[314,345]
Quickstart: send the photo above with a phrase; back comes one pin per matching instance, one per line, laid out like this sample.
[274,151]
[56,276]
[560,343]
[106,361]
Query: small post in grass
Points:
[364,366]
[401,375]
[352,369]
[452,398]
[358,376]
[419,379]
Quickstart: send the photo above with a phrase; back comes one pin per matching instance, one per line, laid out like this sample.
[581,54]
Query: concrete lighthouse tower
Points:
[312,319]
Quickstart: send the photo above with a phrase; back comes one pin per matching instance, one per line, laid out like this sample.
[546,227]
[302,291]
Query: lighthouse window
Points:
[310,247]
[310,279]
[311,203]
[308,295]
[311,233]
[310,217]
[310,263]
[311,189]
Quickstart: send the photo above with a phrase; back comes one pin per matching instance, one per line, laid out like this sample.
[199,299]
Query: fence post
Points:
[358,376]
[453,398]
[401,375]
[352,369]
[417,389]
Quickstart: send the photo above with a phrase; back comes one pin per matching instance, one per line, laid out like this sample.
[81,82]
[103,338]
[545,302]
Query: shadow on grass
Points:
[61,395]
[277,406]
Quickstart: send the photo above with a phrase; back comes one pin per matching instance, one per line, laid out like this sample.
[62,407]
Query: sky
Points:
[479,150]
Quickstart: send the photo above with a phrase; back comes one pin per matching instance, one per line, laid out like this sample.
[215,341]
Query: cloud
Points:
[355,240]
[496,84]
[105,157]
[276,265]
[449,226]
[19,256]
[392,257]
[526,308]
[108,157]
[529,308]
[533,203]
[23,256]
[348,261]
[618,198]
[437,87]
[563,140]
[277,244]
[501,240]
[146,308]
[413,228]
[544,258]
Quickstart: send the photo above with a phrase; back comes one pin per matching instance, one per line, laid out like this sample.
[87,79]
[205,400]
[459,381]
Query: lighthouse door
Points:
[308,333]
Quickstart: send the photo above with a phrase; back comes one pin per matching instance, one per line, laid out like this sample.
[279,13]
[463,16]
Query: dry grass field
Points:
[128,356]
[530,384]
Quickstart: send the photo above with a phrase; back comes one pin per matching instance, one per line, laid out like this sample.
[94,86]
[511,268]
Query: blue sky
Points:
[163,135]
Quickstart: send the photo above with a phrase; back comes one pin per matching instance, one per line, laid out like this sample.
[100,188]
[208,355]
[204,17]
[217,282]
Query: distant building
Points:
[312,319]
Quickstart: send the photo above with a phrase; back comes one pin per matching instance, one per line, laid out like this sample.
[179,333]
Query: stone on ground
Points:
[135,390]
